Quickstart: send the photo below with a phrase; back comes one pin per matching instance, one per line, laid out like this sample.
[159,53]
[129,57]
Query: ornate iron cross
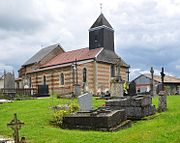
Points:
[15,125]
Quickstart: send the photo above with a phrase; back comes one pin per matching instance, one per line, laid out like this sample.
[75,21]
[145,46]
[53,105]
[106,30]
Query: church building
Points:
[92,68]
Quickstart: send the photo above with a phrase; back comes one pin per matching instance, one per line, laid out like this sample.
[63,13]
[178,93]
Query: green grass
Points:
[165,128]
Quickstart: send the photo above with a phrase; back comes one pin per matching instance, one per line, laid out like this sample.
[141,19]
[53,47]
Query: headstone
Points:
[136,107]
[43,90]
[152,81]
[77,90]
[117,88]
[85,102]
[132,88]
[162,103]
[15,125]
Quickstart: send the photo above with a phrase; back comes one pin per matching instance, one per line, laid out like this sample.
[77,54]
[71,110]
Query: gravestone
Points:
[132,88]
[116,88]
[85,102]
[77,90]
[136,107]
[162,103]
[152,81]
[116,82]
[43,90]
[15,125]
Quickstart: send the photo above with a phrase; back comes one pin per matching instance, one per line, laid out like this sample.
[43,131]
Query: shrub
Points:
[59,114]
[73,107]
[58,117]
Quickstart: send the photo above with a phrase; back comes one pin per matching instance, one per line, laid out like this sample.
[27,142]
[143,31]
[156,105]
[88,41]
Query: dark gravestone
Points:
[136,107]
[43,90]
[102,120]
[132,88]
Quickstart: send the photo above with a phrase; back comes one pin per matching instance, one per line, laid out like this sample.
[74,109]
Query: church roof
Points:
[101,20]
[167,78]
[41,54]
[109,56]
[72,56]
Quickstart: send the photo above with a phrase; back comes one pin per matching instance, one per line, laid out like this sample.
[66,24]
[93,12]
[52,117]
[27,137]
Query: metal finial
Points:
[101,7]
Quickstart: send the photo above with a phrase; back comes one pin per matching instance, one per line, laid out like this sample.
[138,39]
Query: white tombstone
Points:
[85,102]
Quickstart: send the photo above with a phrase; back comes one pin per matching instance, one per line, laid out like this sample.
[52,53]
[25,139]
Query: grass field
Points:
[165,128]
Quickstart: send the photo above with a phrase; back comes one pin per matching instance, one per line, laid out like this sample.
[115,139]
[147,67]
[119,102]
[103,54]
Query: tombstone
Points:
[116,88]
[162,102]
[132,88]
[77,90]
[85,102]
[152,81]
[117,83]
[15,125]
[43,90]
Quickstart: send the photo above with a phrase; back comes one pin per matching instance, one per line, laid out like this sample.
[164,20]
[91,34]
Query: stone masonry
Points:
[136,107]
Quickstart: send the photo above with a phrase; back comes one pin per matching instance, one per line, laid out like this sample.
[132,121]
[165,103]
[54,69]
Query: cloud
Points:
[147,32]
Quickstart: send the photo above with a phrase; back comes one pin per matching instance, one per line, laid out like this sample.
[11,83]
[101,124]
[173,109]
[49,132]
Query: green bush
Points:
[58,117]
[73,107]
[59,114]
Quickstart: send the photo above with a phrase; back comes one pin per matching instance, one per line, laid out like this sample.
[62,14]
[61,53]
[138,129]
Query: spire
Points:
[101,21]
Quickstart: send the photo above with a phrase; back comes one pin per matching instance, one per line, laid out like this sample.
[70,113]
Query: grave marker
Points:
[85,102]
[15,125]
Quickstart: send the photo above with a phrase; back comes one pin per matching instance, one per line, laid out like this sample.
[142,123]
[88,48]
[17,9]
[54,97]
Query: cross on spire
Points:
[101,7]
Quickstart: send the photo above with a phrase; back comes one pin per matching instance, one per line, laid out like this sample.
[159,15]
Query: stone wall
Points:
[136,107]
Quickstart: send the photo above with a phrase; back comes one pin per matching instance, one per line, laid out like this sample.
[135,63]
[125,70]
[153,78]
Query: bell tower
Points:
[101,34]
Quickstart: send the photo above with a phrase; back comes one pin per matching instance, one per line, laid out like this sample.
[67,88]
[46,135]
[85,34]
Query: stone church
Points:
[92,68]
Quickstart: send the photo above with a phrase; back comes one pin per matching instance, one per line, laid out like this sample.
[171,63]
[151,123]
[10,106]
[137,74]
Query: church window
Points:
[84,74]
[44,80]
[112,71]
[30,82]
[62,79]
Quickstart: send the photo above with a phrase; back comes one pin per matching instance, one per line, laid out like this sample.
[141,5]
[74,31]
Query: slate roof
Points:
[108,56]
[167,78]
[71,56]
[41,54]
[101,20]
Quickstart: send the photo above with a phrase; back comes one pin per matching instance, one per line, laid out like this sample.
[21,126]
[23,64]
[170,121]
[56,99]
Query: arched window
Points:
[62,79]
[44,80]
[112,71]
[84,74]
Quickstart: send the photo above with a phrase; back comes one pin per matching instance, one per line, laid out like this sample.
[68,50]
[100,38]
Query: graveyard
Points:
[36,114]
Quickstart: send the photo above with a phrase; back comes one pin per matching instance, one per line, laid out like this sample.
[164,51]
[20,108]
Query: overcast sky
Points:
[147,32]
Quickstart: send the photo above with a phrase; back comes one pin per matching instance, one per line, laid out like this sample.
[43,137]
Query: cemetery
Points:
[86,96]
[36,115]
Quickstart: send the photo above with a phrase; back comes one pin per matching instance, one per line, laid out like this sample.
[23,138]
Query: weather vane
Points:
[101,7]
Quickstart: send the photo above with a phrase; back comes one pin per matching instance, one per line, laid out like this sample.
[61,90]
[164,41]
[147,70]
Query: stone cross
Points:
[162,78]
[152,81]
[15,125]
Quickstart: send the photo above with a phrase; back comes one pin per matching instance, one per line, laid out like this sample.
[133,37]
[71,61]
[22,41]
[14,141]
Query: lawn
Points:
[165,128]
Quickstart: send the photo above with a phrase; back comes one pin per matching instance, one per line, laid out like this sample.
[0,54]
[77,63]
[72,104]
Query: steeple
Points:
[101,34]
[101,21]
